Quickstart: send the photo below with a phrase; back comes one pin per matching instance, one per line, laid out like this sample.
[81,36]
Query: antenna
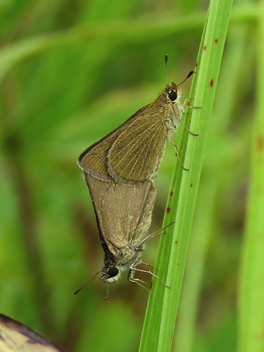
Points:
[166,64]
[189,75]
[86,283]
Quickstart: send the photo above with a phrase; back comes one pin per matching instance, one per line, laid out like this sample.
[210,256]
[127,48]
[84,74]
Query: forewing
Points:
[145,219]
[17,337]
[119,210]
[137,152]
[97,189]
[94,159]
[122,209]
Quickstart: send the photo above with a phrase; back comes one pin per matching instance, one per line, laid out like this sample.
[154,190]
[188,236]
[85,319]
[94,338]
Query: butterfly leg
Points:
[131,278]
[107,293]
[152,266]
[185,104]
[179,119]
[176,149]
[152,235]
[149,272]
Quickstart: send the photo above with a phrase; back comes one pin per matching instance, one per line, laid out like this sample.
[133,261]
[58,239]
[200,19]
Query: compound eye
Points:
[172,95]
[112,272]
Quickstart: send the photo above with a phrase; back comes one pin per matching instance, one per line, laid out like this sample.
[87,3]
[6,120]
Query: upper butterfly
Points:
[132,153]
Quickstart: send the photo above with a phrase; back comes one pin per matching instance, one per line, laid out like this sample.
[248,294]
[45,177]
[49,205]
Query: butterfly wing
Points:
[119,211]
[138,151]
[17,337]
[94,159]
[97,189]
[145,219]
[124,209]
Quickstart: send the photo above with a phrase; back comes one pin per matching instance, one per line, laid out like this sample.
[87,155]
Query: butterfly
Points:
[132,153]
[17,337]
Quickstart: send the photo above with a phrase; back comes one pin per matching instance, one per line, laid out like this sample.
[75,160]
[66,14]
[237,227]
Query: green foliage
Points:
[70,72]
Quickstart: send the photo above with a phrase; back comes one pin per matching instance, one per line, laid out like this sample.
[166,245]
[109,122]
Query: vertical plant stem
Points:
[163,303]
[251,304]
[208,193]
[195,265]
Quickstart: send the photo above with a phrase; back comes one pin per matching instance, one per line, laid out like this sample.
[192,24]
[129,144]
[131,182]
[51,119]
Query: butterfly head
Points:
[173,92]
[110,274]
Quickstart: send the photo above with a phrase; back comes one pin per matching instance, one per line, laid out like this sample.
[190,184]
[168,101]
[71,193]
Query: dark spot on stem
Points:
[211,82]
[168,210]
[216,41]
[204,47]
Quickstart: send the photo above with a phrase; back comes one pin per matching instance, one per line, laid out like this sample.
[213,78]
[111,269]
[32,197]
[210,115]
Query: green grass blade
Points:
[251,304]
[212,180]
[196,262]
[163,303]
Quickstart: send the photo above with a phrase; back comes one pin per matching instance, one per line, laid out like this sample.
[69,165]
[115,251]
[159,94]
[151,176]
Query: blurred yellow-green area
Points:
[71,71]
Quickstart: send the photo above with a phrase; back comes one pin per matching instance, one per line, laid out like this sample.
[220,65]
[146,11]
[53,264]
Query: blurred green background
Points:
[71,71]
